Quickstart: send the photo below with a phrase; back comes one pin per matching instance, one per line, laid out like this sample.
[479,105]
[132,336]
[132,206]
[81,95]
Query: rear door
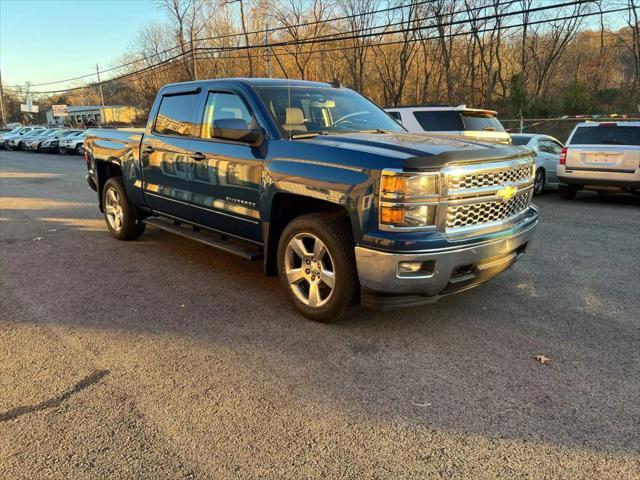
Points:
[164,154]
[226,175]
[605,147]
[549,151]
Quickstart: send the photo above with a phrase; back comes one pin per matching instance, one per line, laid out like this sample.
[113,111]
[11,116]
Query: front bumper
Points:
[446,271]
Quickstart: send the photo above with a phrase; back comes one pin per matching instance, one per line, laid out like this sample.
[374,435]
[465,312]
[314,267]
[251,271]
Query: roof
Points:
[259,82]
[608,122]
[443,108]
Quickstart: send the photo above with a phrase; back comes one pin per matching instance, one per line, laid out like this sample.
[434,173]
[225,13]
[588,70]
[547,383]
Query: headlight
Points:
[408,216]
[398,185]
[408,201]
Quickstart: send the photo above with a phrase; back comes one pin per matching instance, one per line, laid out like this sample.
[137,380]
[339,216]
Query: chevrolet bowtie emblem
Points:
[506,193]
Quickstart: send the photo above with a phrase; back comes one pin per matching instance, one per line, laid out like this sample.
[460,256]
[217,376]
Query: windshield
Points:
[481,121]
[67,133]
[516,140]
[302,111]
[606,135]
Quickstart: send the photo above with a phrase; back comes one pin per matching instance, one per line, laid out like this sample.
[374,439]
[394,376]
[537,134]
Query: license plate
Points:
[600,158]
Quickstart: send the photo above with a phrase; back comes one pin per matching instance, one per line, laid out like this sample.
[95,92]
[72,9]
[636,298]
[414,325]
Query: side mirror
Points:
[236,129]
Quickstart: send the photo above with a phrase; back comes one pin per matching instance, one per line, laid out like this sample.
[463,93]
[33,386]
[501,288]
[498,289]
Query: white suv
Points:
[604,157]
[474,123]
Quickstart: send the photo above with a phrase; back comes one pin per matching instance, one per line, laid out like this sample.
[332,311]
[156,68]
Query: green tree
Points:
[518,94]
[576,99]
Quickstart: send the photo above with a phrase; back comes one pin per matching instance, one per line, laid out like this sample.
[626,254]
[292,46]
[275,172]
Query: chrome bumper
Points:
[447,270]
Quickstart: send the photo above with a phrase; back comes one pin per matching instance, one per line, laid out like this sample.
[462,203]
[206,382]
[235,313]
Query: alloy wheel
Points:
[113,209]
[309,269]
[538,183]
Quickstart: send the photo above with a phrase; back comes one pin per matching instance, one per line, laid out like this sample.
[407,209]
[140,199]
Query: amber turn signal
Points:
[394,184]
[392,216]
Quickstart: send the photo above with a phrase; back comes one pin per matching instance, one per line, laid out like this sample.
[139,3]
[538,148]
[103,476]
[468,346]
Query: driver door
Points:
[225,175]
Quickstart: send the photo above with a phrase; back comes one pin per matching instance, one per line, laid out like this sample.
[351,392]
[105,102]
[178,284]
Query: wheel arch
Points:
[105,169]
[286,206]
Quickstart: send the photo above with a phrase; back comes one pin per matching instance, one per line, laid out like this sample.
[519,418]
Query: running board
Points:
[220,241]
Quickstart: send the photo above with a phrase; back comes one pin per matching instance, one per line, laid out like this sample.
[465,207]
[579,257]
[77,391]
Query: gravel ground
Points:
[162,358]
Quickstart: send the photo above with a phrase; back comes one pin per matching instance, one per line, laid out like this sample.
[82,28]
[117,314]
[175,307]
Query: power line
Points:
[466,33]
[240,34]
[317,22]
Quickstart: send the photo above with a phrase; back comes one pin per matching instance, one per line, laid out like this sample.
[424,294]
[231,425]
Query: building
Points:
[95,115]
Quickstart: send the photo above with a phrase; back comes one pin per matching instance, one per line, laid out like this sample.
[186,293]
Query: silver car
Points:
[547,150]
[604,157]
[9,140]
[17,141]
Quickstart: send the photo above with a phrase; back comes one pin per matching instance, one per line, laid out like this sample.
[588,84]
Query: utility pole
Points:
[267,50]
[102,113]
[194,65]
[4,119]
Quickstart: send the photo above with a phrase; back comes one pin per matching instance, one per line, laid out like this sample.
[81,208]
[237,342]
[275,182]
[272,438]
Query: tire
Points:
[79,149]
[539,181]
[119,212]
[20,146]
[568,192]
[336,265]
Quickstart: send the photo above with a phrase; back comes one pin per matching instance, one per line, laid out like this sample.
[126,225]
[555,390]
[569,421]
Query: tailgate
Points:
[605,147]
[603,157]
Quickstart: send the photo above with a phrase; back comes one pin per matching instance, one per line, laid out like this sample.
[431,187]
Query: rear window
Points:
[175,116]
[519,140]
[438,121]
[609,135]
[395,115]
[480,122]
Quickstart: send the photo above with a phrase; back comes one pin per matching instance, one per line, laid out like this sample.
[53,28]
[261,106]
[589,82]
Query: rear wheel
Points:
[568,192]
[119,213]
[538,184]
[316,264]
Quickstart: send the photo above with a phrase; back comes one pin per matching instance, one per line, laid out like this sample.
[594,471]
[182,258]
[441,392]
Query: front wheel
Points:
[80,149]
[119,213]
[316,264]
[538,183]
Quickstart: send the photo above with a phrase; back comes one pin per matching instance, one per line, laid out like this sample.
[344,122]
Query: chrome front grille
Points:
[459,216]
[485,196]
[490,179]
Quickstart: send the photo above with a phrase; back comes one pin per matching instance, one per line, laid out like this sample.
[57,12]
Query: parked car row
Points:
[603,157]
[42,139]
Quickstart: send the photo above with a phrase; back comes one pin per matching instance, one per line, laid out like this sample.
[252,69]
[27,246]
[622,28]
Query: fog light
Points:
[410,269]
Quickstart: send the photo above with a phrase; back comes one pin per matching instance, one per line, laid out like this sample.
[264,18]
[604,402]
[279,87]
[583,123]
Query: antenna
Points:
[289,106]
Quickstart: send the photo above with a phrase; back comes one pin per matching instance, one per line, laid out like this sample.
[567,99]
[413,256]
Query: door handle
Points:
[148,149]
[197,156]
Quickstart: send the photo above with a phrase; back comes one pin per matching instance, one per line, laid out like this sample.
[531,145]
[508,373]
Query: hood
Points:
[421,150]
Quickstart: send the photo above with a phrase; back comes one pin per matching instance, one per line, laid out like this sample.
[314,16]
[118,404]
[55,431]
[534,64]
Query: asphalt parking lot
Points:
[162,358]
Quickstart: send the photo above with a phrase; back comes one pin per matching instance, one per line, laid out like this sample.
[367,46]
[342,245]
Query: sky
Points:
[48,40]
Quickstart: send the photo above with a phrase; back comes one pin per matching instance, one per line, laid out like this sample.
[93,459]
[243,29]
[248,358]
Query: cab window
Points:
[223,106]
[175,116]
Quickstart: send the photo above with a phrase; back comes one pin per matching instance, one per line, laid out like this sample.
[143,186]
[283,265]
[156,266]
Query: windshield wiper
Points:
[377,130]
[307,135]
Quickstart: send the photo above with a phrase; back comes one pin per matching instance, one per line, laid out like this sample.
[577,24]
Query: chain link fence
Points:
[559,128]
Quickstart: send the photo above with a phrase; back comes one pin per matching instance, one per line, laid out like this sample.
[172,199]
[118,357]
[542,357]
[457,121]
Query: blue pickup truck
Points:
[323,186]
